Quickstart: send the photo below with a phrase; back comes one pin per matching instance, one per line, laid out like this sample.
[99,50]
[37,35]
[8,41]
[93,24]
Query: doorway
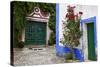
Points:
[35,33]
[91,41]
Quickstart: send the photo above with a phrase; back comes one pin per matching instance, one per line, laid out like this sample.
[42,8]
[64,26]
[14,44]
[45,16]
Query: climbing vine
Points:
[21,9]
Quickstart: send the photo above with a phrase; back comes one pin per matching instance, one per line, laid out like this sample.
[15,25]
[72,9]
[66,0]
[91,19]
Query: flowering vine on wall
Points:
[71,28]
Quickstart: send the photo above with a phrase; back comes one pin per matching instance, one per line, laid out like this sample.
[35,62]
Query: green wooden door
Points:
[35,33]
[91,44]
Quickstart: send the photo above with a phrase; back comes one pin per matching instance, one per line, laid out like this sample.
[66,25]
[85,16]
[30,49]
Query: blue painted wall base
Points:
[61,51]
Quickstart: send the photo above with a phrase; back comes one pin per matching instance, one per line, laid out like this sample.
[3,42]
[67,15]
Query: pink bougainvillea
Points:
[71,15]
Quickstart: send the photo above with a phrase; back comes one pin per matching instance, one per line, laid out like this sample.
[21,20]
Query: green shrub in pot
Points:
[21,44]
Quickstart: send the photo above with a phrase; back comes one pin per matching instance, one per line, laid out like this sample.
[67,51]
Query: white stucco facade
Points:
[88,12]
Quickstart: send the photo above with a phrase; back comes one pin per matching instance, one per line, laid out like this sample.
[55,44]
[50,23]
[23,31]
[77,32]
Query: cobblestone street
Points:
[36,56]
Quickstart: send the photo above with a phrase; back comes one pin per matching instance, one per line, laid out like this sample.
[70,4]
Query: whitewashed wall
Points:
[62,13]
[88,11]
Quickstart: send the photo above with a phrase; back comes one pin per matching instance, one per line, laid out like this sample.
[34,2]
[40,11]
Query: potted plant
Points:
[21,44]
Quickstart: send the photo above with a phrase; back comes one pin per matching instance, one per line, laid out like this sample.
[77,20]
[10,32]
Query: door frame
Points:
[84,41]
[38,16]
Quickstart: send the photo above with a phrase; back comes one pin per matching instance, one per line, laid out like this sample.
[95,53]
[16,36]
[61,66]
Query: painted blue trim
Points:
[57,27]
[95,32]
[78,54]
[90,20]
[61,50]
[82,52]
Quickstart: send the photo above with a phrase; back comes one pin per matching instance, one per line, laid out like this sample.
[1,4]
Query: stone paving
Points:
[36,56]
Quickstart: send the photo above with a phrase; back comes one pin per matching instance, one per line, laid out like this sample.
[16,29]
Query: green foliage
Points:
[69,56]
[52,39]
[52,26]
[21,44]
[21,10]
[72,33]
[71,30]
[52,23]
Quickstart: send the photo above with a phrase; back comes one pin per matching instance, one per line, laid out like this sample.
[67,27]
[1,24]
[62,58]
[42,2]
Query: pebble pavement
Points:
[36,56]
